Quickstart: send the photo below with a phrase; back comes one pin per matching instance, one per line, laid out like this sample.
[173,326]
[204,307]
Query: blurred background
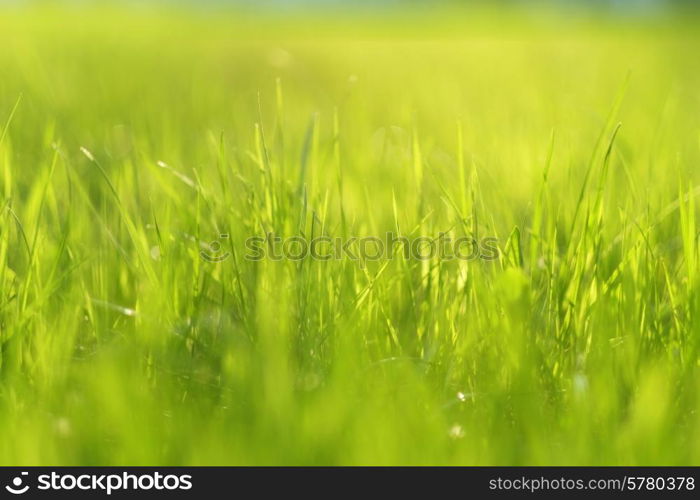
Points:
[146,128]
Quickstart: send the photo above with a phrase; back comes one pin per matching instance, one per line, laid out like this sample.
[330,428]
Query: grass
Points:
[133,138]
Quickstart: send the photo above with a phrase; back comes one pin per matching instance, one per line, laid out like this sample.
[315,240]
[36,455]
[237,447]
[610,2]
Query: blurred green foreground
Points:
[574,141]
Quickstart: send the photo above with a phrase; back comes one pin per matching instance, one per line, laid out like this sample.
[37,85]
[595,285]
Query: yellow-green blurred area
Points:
[572,137]
[138,81]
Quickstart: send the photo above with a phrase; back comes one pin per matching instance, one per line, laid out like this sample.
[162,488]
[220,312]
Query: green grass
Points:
[131,138]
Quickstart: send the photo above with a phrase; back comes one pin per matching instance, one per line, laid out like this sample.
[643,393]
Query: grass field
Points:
[130,139]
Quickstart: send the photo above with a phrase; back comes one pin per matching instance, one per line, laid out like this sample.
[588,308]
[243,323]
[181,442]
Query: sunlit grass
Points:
[132,140]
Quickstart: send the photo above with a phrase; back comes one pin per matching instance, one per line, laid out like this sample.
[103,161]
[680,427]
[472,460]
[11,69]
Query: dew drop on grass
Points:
[456,431]
[155,253]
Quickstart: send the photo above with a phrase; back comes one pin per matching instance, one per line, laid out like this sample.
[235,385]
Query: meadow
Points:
[132,138]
